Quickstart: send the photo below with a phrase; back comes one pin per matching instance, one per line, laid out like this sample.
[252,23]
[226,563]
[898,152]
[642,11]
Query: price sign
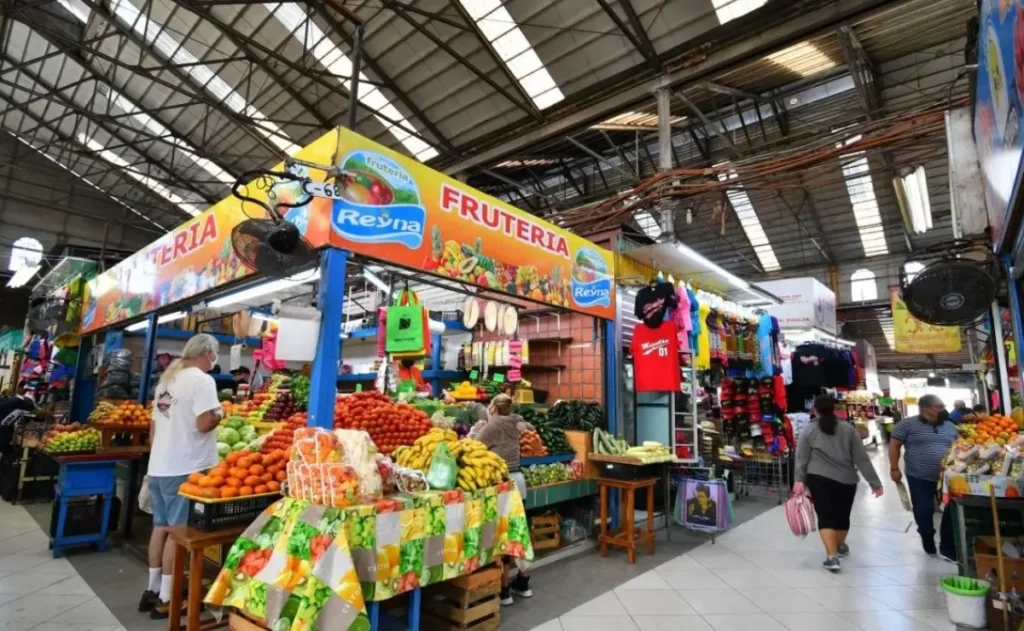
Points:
[515,361]
[515,375]
[407,386]
[499,378]
[474,375]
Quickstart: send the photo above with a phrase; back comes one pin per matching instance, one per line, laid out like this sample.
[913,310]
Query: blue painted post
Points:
[83,387]
[324,376]
[146,376]
[112,341]
[435,364]
[1013,290]
[415,603]
[611,393]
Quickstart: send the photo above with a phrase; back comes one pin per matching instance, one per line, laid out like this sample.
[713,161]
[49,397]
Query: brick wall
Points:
[583,376]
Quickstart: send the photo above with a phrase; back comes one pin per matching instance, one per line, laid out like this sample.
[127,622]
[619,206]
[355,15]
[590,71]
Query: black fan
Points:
[956,285]
[272,245]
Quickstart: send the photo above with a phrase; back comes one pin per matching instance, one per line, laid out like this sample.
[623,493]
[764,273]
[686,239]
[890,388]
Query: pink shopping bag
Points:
[800,514]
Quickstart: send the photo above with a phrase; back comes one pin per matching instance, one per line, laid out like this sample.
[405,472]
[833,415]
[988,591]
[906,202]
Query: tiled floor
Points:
[757,577]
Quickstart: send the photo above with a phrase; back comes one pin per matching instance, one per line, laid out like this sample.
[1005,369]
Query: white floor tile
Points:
[905,598]
[71,585]
[684,579]
[550,625]
[747,577]
[719,601]
[814,622]
[936,618]
[818,577]
[654,602]
[781,600]
[889,620]
[90,612]
[39,607]
[647,580]
[607,604]
[745,622]
[597,623]
[843,599]
[671,623]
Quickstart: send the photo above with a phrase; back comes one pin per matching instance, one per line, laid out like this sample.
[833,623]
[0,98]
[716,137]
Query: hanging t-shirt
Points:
[682,318]
[656,358]
[703,361]
[652,302]
[786,362]
[179,448]
[809,365]
[695,324]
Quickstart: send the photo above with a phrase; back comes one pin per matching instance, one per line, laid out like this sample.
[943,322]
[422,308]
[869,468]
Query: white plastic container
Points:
[965,601]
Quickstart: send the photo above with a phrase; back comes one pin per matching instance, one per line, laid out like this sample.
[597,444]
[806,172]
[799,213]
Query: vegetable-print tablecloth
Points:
[302,566]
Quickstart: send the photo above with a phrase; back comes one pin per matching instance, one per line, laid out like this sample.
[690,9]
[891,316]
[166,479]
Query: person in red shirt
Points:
[407,371]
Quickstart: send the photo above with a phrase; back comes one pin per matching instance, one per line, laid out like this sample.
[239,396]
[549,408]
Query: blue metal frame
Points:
[178,334]
[611,394]
[83,479]
[146,374]
[324,376]
[83,390]
[1013,290]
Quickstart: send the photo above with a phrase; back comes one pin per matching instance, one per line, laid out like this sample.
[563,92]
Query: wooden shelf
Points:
[542,340]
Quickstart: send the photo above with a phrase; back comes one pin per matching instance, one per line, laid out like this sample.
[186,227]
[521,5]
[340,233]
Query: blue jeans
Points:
[922,497]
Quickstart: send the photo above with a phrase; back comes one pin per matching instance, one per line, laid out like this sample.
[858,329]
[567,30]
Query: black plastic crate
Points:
[242,511]
[84,516]
[629,472]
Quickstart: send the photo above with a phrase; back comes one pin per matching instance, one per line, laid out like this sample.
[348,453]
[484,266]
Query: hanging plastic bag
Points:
[800,514]
[443,469]
[406,329]
[145,499]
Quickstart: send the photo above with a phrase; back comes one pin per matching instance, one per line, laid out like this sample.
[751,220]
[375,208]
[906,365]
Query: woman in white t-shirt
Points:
[185,413]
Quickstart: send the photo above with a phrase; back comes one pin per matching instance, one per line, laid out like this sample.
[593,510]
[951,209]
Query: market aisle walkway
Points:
[759,577]
[38,592]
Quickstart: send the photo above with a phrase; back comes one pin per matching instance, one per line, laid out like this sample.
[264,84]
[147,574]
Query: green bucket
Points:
[964,586]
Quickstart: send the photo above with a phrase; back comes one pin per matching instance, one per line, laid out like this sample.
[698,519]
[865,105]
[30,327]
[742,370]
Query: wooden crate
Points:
[466,603]
[128,436]
[546,532]
[583,444]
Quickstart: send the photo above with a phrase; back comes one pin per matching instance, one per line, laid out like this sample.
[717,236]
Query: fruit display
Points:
[605,443]
[233,435]
[299,388]
[979,430]
[554,473]
[651,452]
[478,467]
[465,391]
[578,415]
[530,445]
[240,475]
[389,424]
[551,434]
[284,437]
[62,439]
[420,454]
[110,412]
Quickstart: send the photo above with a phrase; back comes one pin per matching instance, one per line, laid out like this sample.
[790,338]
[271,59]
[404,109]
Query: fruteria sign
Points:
[390,207]
[914,336]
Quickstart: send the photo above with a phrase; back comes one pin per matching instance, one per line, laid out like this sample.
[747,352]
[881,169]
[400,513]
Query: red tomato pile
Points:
[283,438]
[389,424]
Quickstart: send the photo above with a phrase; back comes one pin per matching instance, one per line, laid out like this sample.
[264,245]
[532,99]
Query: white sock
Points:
[154,579]
[165,588]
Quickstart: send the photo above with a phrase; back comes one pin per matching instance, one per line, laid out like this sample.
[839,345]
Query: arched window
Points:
[863,286]
[912,269]
[26,252]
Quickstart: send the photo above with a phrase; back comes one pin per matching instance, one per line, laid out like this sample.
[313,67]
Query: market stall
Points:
[388,242]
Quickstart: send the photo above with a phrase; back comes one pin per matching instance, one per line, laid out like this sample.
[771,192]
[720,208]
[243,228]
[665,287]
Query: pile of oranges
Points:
[121,413]
[999,429]
[241,474]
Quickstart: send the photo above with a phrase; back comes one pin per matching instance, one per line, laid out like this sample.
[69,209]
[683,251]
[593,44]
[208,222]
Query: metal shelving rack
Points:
[684,414]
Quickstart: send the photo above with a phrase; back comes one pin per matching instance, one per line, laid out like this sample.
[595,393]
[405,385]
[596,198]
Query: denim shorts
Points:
[169,508]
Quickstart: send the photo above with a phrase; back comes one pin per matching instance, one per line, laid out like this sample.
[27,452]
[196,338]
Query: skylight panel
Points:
[515,51]
[156,36]
[804,58]
[315,41]
[83,179]
[147,181]
[727,10]
[648,224]
[861,190]
[744,210]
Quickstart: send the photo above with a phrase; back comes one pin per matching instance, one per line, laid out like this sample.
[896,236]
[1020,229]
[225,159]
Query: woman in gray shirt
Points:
[828,455]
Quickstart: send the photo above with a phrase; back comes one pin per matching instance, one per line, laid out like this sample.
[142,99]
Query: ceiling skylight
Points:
[805,59]
[169,48]
[46,155]
[634,120]
[751,225]
[138,176]
[727,10]
[648,224]
[508,41]
[857,174]
[316,42]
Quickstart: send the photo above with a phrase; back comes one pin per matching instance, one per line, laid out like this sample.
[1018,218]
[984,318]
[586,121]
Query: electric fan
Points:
[956,285]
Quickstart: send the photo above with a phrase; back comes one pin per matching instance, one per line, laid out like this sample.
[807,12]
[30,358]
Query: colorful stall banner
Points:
[301,566]
[999,105]
[914,336]
[395,209]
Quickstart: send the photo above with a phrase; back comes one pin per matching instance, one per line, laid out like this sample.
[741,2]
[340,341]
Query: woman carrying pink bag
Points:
[828,456]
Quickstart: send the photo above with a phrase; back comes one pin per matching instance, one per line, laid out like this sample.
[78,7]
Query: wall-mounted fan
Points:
[271,245]
[956,285]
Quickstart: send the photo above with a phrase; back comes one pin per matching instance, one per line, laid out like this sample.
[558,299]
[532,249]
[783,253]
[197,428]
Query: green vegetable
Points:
[248,434]
[300,391]
[235,422]
[239,446]
[577,415]
[228,435]
[223,449]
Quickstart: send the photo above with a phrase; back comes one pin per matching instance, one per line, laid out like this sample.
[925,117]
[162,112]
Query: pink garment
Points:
[381,331]
[682,318]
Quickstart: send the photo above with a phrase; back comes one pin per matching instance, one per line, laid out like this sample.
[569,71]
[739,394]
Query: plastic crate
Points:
[85,515]
[216,515]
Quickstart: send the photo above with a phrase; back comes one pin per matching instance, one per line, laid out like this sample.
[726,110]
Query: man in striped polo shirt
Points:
[924,439]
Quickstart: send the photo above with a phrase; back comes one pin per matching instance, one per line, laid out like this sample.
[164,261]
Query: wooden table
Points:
[627,535]
[194,541]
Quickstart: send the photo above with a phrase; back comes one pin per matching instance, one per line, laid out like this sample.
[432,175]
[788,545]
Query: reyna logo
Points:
[378,202]
[591,284]
[363,223]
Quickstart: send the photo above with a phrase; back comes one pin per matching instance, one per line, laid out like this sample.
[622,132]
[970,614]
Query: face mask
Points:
[216,360]
[943,416]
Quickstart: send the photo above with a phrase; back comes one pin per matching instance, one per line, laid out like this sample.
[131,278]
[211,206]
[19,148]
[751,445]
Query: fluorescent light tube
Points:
[22,276]
[691,254]
[169,317]
[375,280]
[915,192]
[263,289]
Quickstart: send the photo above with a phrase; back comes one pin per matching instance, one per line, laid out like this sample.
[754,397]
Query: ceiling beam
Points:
[628,33]
[647,48]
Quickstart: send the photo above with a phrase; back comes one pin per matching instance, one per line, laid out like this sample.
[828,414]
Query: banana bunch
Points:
[102,411]
[419,455]
[478,467]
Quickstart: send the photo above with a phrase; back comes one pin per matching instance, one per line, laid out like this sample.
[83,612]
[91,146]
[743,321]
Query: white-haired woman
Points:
[185,413]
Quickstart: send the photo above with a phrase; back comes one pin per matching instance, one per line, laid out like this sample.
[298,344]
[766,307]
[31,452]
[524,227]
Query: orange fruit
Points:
[261,489]
[205,482]
[228,492]
[234,483]
[245,491]
[252,480]
[195,477]
[245,462]
[256,469]
[216,481]
[273,486]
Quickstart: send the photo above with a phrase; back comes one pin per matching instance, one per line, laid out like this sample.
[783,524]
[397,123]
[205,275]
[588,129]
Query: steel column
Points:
[324,376]
[148,351]
[999,353]
[357,64]
[1013,290]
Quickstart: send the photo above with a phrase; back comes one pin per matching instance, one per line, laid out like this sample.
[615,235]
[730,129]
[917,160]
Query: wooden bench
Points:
[627,536]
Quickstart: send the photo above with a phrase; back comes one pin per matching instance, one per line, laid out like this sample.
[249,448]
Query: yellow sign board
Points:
[914,336]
